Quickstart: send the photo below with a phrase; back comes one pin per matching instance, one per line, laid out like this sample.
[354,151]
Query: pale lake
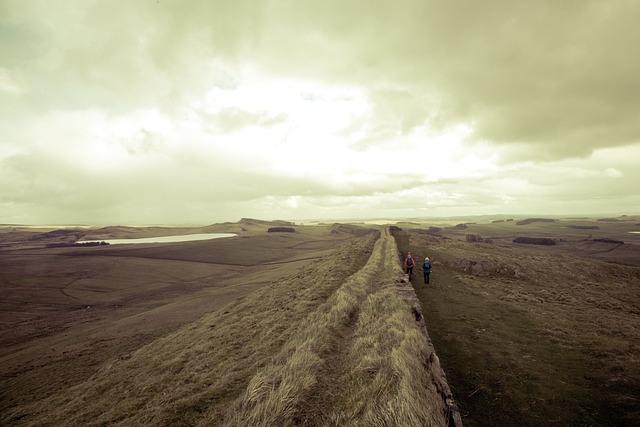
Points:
[163,239]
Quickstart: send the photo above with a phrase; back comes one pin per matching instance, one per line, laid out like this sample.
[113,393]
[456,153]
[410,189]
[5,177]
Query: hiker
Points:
[408,265]
[426,269]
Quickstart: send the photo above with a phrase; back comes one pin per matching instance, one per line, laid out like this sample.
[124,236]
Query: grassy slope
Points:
[336,343]
[64,314]
[557,346]
[203,366]
[318,347]
[359,360]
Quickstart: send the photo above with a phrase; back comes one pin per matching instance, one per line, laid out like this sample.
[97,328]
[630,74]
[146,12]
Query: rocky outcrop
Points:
[478,239]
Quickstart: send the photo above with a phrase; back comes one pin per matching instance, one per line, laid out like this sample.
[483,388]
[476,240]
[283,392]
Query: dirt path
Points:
[364,358]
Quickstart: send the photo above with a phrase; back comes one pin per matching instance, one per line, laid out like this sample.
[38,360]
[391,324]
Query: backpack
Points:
[409,262]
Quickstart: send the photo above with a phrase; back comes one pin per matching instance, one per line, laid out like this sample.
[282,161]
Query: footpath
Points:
[364,358]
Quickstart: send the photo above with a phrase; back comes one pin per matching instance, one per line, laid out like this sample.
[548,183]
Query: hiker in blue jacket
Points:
[426,269]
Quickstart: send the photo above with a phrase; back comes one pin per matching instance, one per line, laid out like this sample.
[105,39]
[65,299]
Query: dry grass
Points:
[554,344]
[337,343]
[201,367]
[388,381]
[66,311]
[359,360]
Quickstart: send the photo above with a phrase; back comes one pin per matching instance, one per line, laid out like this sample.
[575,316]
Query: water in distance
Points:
[163,239]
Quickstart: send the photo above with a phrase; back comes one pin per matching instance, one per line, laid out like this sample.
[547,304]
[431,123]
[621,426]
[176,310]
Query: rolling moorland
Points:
[315,327]
[320,327]
[533,335]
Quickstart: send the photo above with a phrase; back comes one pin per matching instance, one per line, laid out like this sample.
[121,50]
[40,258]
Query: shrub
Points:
[606,240]
[534,240]
[281,230]
[76,244]
[532,220]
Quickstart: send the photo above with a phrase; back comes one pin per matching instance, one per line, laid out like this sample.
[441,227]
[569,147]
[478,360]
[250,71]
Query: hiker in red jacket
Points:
[408,265]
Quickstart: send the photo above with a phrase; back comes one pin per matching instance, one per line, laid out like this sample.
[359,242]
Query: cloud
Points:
[213,108]
[555,75]
[9,83]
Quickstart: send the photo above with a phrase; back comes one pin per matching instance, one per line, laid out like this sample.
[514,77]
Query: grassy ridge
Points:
[200,368]
[334,344]
[390,376]
[66,311]
[359,360]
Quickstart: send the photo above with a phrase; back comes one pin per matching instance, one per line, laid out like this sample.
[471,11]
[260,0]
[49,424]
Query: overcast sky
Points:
[193,112]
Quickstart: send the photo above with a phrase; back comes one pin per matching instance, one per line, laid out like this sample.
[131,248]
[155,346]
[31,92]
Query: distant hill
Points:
[532,220]
[61,235]
[252,221]
[356,230]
